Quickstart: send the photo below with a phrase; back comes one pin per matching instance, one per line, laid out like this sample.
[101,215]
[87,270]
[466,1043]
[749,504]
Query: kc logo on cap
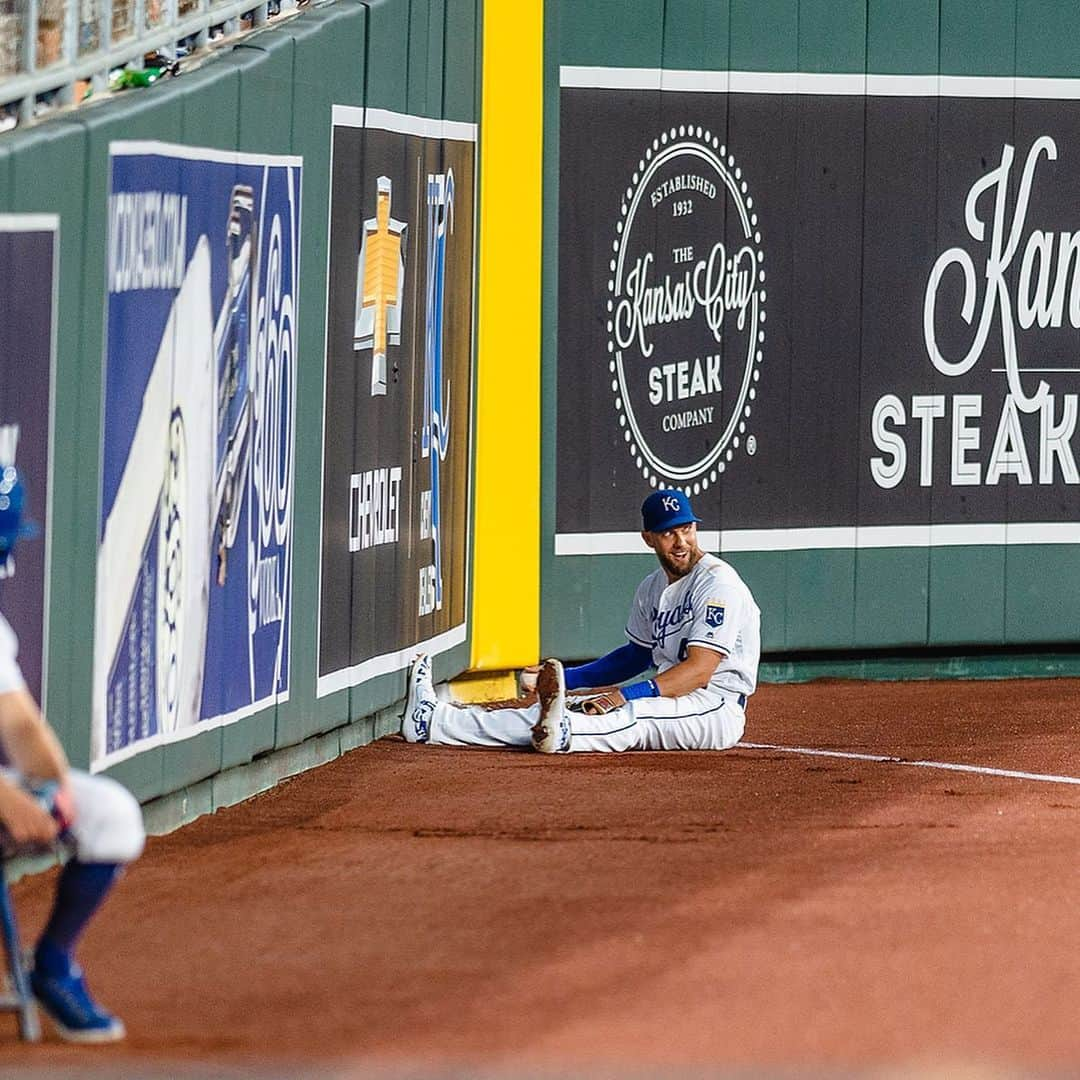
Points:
[665,509]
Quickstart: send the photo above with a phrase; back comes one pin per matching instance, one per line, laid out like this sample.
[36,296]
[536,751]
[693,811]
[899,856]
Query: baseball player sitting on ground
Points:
[43,803]
[693,619]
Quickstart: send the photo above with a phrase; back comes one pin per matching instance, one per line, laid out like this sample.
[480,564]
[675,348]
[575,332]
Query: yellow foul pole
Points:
[506,563]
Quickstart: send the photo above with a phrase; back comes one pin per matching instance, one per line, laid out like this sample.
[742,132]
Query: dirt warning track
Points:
[433,909]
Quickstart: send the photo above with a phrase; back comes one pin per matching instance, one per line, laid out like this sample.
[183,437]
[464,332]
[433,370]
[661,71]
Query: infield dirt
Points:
[433,909]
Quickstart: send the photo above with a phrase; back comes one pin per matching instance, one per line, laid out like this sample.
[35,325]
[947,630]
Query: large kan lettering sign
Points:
[398,400]
[28,256]
[1027,279]
[832,319]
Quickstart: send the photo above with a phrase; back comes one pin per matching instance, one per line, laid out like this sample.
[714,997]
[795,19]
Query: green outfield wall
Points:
[392,87]
[815,262]
[812,262]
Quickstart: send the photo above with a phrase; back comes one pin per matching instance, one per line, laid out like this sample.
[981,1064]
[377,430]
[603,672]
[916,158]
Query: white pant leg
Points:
[108,820]
[614,731]
[470,725]
[700,720]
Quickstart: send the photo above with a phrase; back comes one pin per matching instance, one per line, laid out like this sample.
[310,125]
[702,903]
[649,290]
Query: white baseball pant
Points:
[700,720]
[108,824]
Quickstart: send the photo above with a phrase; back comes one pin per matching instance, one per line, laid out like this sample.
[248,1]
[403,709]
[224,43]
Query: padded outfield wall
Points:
[818,263]
[876,494]
[231,568]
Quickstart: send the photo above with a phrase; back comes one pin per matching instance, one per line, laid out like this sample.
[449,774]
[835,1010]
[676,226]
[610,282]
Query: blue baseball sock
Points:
[79,893]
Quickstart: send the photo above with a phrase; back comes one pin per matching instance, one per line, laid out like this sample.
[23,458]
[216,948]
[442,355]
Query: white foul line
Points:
[984,770]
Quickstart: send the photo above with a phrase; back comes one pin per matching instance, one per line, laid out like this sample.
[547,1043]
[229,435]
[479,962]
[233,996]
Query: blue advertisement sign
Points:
[194,566]
[28,247]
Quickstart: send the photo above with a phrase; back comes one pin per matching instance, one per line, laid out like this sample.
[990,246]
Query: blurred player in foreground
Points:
[44,803]
[693,620]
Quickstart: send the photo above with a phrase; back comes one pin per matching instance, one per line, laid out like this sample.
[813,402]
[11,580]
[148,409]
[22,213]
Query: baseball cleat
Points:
[551,732]
[420,701]
[75,1014]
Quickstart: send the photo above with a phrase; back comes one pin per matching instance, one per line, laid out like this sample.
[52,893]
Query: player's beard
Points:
[677,568]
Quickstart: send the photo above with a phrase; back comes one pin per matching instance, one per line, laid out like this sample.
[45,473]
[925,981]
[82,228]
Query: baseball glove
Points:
[595,704]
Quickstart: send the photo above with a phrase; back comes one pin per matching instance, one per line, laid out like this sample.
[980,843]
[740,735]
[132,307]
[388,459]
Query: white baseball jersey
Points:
[710,607]
[11,677]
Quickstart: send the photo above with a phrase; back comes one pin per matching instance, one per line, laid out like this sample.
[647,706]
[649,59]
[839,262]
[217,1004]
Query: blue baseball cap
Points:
[13,526]
[665,509]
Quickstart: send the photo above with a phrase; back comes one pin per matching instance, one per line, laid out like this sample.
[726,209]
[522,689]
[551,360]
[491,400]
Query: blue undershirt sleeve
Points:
[618,665]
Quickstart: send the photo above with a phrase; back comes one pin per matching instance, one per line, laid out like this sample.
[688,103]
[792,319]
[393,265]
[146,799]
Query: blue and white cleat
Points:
[420,701]
[77,1017]
[551,733]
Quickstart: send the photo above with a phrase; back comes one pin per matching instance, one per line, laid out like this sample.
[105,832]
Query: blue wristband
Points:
[645,688]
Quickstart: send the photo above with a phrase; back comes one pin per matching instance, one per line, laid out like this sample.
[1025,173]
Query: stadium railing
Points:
[55,53]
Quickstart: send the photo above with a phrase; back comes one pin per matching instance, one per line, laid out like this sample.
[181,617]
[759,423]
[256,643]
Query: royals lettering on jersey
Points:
[666,623]
[712,608]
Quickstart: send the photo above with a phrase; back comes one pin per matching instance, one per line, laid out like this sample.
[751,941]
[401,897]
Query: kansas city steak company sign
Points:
[923,301]
[686,314]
